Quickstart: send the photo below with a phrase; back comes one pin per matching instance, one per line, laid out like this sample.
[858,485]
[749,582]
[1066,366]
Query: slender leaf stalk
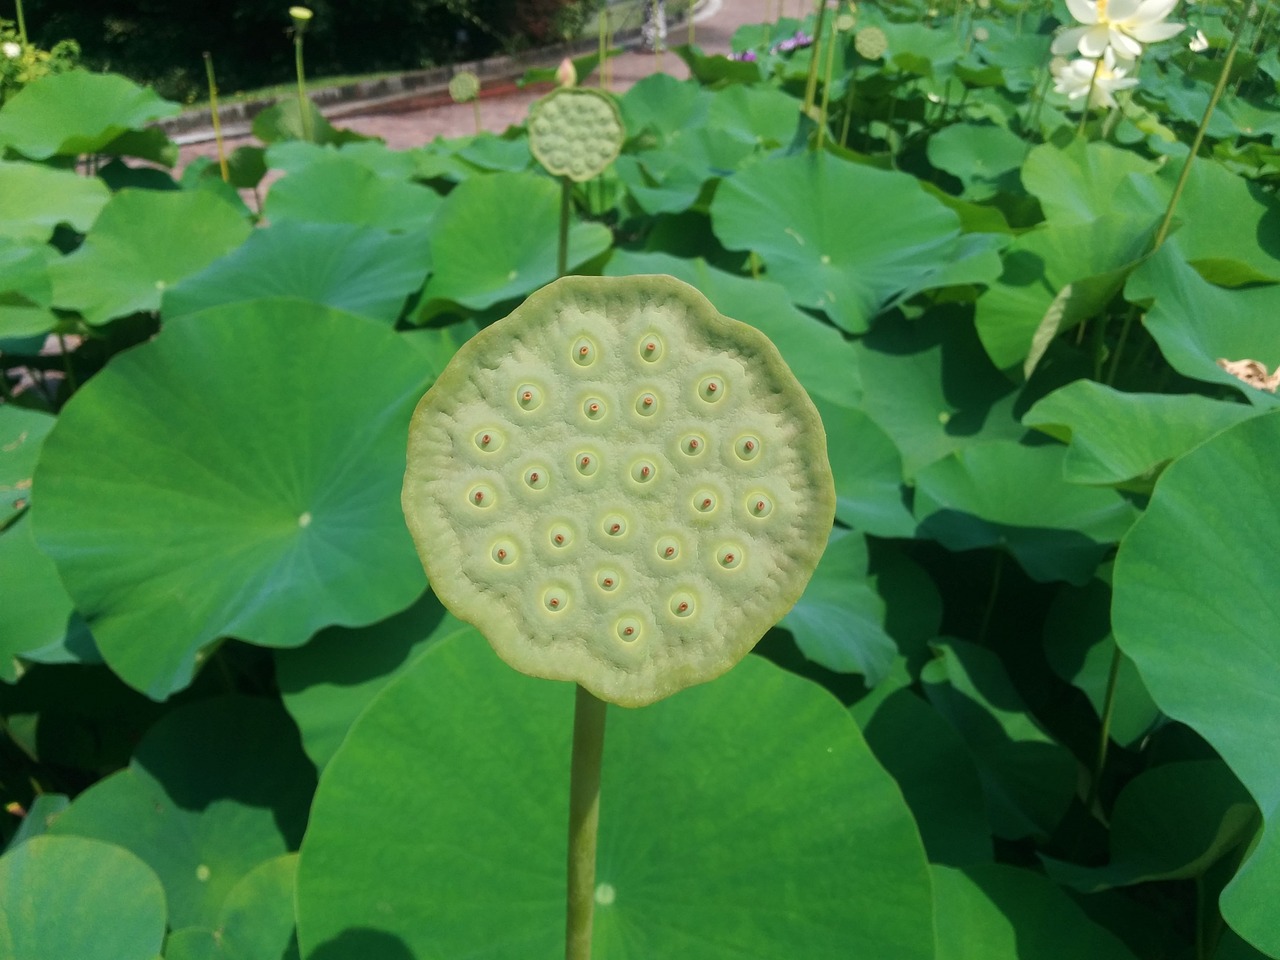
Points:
[22,22]
[826,86]
[566,207]
[1221,85]
[1104,732]
[602,23]
[217,120]
[73,384]
[689,14]
[584,822]
[1088,99]
[811,83]
[304,104]
[475,106]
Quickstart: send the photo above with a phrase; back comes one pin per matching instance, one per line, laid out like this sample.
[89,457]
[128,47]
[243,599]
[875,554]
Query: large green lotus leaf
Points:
[39,622]
[364,270]
[64,897]
[929,386]
[1029,779]
[328,682]
[843,238]
[284,121]
[1117,437]
[1170,822]
[998,912]
[820,356]
[1080,649]
[932,766]
[1012,495]
[259,500]
[143,242]
[79,112]
[740,818]
[437,345]
[867,467]
[41,813]
[26,292]
[838,622]
[1056,276]
[292,156]
[1196,608]
[760,115]
[494,239]
[216,788]
[1078,183]
[1197,324]
[1228,230]
[255,921]
[985,159]
[673,177]
[338,190]
[663,107]
[35,199]
[22,433]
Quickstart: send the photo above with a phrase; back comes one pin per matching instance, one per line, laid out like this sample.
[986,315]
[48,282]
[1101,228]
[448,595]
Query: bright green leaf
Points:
[791,841]
[26,292]
[261,500]
[984,158]
[338,190]
[494,239]
[1195,607]
[1078,183]
[143,242]
[870,495]
[64,897]
[363,270]
[69,114]
[255,922]
[35,199]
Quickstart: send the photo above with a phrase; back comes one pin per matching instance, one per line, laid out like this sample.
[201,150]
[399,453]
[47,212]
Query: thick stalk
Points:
[303,104]
[826,88]
[566,207]
[22,22]
[1163,232]
[584,821]
[217,121]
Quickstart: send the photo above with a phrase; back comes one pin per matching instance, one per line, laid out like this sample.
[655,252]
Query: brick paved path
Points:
[408,125]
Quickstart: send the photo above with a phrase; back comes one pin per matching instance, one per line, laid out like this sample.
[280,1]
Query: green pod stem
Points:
[304,113]
[584,822]
[566,208]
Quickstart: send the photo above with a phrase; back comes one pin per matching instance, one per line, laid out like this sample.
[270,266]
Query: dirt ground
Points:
[413,122]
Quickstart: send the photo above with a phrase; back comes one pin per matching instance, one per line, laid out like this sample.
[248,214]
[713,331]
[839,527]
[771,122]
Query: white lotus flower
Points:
[12,50]
[1199,43]
[1104,76]
[1120,25]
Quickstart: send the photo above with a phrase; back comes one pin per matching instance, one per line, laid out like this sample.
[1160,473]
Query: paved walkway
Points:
[411,123]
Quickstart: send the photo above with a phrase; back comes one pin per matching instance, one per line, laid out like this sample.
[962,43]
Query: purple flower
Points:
[746,56]
[795,42]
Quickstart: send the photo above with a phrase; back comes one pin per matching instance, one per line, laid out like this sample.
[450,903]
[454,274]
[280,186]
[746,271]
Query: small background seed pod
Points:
[619,486]
[464,87]
[576,132]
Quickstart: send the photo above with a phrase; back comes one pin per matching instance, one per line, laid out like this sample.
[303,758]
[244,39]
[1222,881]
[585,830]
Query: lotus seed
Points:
[593,408]
[758,505]
[608,580]
[650,348]
[504,552]
[682,604]
[693,445]
[642,471]
[614,525]
[583,353]
[730,557]
[556,600]
[587,464]
[490,441]
[481,496]
[748,448]
[704,501]
[561,536]
[646,404]
[528,396]
[629,629]
[668,548]
[536,478]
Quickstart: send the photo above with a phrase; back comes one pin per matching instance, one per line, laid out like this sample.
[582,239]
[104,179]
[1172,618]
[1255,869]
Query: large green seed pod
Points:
[619,486]
[576,132]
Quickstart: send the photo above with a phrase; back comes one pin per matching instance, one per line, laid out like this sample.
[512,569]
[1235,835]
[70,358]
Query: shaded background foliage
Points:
[161,42]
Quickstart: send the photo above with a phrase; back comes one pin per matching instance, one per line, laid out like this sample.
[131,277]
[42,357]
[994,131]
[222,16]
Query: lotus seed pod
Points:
[871,43]
[632,518]
[576,132]
[464,87]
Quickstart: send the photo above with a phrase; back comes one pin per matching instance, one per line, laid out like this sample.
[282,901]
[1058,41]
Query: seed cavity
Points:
[614,525]
[556,599]
[704,501]
[593,408]
[747,447]
[759,505]
[711,389]
[481,495]
[535,478]
[560,535]
[646,404]
[729,556]
[528,396]
[503,553]
[667,548]
[682,604]
[584,352]
[643,471]
[693,445]
[608,580]
[651,347]
[586,462]
[628,629]
[488,441]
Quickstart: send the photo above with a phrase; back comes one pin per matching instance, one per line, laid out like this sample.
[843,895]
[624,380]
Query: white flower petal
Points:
[1095,41]
[1125,45]
[1067,41]
[1151,11]
[1155,32]
[1118,11]
[1086,11]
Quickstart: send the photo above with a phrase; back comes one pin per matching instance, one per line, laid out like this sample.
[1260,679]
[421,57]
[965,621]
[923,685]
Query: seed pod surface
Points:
[619,486]
[575,132]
